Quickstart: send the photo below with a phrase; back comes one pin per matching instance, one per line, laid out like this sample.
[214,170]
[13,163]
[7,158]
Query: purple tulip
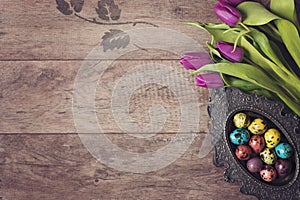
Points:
[227,13]
[226,50]
[194,61]
[231,2]
[212,80]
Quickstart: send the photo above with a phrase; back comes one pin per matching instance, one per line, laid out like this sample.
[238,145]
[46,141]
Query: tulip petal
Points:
[226,49]
[195,60]
[227,13]
[211,80]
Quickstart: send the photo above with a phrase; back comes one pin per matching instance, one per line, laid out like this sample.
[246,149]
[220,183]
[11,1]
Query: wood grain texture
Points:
[59,167]
[33,94]
[38,31]
[41,154]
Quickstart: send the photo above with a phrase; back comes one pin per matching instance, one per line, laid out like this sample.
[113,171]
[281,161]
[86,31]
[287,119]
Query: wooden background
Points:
[41,155]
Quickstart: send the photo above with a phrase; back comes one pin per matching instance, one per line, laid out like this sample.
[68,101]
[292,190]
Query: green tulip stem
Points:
[232,29]
[244,26]
[242,33]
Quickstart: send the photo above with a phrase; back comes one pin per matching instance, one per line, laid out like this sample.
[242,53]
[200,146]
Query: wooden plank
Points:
[38,31]
[36,97]
[41,155]
[59,167]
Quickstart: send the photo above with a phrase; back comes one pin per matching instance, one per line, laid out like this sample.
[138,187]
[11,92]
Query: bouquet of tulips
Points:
[256,49]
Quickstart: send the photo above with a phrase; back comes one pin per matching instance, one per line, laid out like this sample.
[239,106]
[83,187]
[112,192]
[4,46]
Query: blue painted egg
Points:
[284,150]
[239,136]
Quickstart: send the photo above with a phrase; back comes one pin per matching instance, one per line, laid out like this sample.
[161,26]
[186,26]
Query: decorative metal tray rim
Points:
[225,102]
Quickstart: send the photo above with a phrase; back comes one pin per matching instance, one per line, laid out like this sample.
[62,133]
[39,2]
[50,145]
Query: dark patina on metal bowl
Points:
[225,103]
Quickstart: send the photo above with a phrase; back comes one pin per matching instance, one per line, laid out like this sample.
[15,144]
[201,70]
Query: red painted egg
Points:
[257,143]
[243,152]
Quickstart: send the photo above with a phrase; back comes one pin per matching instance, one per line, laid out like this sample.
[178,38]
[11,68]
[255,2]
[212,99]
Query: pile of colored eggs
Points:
[261,147]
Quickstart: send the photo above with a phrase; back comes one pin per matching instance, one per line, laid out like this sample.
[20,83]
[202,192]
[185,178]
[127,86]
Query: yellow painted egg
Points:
[258,126]
[272,137]
[241,120]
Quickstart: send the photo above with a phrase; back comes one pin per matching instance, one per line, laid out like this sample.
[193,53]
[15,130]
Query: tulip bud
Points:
[194,61]
[227,13]
[226,50]
[231,2]
[212,80]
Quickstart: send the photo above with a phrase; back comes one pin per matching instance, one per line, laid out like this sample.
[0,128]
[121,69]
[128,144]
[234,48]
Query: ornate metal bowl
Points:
[224,104]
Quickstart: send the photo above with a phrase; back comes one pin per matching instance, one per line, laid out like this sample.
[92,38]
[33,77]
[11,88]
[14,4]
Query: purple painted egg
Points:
[254,165]
[283,167]
[268,173]
[257,143]
[243,152]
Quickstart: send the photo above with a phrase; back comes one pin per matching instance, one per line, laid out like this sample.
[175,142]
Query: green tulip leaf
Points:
[285,9]
[239,83]
[262,16]
[218,31]
[253,75]
[265,70]
[253,51]
[230,36]
[214,53]
[255,14]
[254,54]
[290,38]
[247,86]
[244,71]
[265,46]
[257,52]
